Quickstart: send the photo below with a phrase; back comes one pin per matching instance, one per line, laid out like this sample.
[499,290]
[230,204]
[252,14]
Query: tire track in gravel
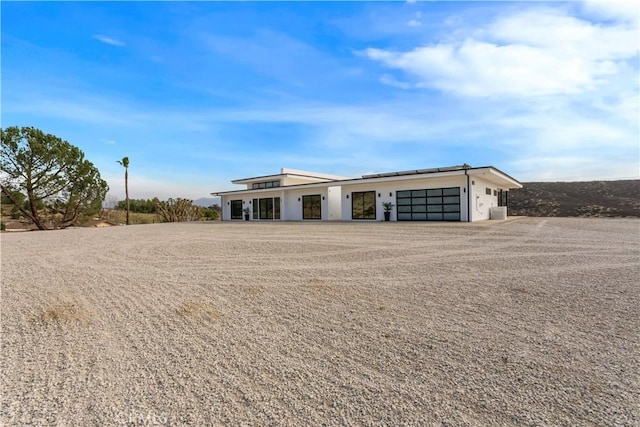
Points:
[288,324]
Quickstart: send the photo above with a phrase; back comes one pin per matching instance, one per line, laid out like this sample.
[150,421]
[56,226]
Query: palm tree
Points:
[125,162]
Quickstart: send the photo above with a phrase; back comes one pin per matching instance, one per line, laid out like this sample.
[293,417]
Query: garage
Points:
[434,204]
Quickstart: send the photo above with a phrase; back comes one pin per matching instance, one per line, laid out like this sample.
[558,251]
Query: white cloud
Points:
[414,23]
[530,53]
[389,80]
[108,40]
[621,10]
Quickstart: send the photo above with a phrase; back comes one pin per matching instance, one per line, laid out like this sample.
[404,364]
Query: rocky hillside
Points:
[585,199]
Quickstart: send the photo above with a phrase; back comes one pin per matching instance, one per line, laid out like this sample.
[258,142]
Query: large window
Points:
[436,204]
[236,209]
[363,205]
[268,208]
[311,207]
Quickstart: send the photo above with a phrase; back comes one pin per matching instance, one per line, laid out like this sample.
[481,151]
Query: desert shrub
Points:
[197,309]
[177,210]
[139,205]
[15,213]
[209,214]
[142,218]
[116,216]
[62,313]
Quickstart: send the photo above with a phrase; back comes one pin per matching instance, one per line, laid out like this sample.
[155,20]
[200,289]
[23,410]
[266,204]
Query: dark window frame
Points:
[368,212]
[236,206]
[441,204]
[256,209]
[266,208]
[271,209]
[316,205]
[265,184]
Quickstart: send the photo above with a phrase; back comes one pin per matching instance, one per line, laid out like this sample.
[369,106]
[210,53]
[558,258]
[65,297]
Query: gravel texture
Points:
[527,322]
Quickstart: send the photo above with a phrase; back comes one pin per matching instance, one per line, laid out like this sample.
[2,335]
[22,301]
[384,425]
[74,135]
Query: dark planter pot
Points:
[387,216]
[246,217]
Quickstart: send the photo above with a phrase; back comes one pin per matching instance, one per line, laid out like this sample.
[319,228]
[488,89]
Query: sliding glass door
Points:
[363,205]
[311,207]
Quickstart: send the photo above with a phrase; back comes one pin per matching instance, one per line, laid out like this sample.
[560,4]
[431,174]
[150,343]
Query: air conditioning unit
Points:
[499,212]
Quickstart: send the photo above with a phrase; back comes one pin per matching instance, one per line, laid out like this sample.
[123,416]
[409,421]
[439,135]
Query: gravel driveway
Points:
[531,321]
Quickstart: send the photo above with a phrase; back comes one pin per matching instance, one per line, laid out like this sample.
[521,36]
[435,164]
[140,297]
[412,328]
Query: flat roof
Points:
[284,172]
[378,177]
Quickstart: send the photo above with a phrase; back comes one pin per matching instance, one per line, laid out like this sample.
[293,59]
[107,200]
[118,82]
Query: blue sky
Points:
[197,94]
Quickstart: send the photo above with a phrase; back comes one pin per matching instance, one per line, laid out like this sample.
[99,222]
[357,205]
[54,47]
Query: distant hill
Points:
[205,202]
[585,199]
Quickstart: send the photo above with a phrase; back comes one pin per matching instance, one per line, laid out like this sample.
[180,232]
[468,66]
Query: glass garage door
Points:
[435,204]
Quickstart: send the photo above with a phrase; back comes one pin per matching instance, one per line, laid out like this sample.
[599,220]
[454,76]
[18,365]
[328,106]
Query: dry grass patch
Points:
[197,310]
[65,312]
[253,290]
[320,286]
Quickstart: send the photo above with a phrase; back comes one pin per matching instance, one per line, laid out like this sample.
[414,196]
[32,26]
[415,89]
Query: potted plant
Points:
[387,210]
[246,211]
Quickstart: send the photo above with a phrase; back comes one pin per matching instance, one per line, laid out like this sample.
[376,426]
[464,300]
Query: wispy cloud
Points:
[537,52]
[543,90]
[108,40]
[391,81]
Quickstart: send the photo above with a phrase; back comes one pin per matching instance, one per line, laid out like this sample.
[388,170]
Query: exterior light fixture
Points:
[390,194]
[378,194]
[347,196]
[298,198]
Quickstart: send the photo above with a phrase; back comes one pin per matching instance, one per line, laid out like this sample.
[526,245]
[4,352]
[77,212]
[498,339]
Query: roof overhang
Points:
[495,176]
[286,172]
[489,173]
[278,189]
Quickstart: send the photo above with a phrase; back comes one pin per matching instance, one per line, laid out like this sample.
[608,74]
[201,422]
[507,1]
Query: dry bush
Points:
[195,309]
[320,286]
[65,312]
[116,216]
[178,210]
[253,290]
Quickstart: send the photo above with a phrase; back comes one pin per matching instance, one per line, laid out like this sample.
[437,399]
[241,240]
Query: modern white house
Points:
[457,193]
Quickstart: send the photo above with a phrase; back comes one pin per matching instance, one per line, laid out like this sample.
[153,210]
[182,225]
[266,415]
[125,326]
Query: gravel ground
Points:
[526,322]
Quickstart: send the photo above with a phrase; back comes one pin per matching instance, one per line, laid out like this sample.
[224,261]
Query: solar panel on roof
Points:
[413,172]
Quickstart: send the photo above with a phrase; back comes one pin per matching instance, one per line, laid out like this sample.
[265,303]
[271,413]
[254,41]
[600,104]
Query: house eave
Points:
[491,173]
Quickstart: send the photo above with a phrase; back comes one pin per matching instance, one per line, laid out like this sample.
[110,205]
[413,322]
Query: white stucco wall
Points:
[387,191]
[290,206]
[295,180]
[336,206]
[294,206]
[480,201]
[334,197]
